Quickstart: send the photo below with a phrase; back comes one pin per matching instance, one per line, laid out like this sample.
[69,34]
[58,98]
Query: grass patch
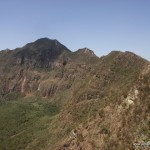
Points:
[24,125]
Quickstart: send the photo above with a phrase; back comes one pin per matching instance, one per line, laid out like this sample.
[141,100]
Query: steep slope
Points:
[22,68]
[111,111]
[77,100]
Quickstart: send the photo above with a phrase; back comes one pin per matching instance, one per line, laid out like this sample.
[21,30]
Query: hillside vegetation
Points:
[55,99]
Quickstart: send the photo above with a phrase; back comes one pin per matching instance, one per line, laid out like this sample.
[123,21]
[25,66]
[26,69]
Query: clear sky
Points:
[101,25]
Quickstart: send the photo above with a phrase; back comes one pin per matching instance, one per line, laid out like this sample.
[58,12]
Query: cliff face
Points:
[21,67]
[104,102]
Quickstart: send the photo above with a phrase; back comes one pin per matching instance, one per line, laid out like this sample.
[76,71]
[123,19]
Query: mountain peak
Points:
[45,40]
[85,51]
[41,52]
[46,43]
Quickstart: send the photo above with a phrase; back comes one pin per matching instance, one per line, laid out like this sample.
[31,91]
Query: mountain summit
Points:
[40,53]
[86,51]
[45,43]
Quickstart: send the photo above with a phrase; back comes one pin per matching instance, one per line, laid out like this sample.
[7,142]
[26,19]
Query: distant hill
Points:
[54,99]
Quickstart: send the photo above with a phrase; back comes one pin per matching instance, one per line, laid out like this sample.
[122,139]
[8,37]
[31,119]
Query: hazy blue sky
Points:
[101,25]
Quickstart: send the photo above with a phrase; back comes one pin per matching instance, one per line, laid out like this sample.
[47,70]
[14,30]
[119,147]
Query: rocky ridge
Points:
[104,101]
